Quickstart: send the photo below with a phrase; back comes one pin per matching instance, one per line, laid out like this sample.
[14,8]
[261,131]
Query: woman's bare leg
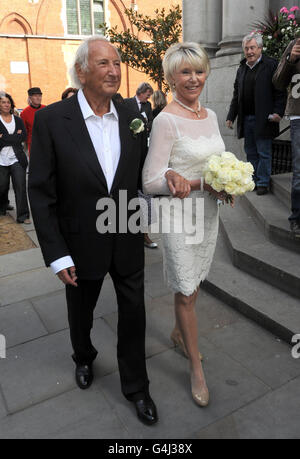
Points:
[186,321]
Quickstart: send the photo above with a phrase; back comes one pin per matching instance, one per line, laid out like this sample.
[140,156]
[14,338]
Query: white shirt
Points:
[138,102]
[105,136]
[7,154]
[292,118]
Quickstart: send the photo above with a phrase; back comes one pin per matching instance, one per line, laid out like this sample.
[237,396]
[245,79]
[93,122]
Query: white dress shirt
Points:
[138,102]
[105,135]
[7,154]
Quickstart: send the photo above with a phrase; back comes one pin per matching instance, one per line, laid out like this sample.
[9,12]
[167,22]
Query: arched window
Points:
[84,17]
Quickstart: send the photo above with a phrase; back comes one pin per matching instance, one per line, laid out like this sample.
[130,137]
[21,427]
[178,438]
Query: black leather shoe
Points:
[9,207]
[146,411]
[295,228]
[262,190]
[84,376]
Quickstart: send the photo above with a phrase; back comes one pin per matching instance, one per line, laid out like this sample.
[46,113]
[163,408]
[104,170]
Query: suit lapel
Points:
[76,126]
[126,145]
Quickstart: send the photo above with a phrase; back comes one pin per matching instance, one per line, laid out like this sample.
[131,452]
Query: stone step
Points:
[268,306]
[273,216]
[281,187]
[251,251]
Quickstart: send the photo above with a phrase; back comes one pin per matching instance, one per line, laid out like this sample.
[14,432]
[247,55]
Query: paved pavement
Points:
[253,379]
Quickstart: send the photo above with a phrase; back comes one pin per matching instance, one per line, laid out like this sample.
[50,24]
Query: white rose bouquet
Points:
[227,173]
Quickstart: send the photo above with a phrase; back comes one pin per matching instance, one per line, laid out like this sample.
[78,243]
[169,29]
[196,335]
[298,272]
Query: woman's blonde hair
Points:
[159,99]
[191,53]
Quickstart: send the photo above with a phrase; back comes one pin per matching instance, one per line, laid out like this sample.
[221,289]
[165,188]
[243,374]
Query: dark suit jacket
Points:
[65,183]
[15,140]
[268,99]
[133,105]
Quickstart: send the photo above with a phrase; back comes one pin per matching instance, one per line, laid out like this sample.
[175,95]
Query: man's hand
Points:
[68,276]
[229,124]
[179,186]
[295,53]
[275,118]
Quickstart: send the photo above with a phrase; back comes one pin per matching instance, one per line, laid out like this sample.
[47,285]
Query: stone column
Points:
[238,18]
[202,23]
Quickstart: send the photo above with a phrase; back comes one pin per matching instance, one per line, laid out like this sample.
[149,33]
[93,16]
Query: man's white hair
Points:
[254,36]
[81,59]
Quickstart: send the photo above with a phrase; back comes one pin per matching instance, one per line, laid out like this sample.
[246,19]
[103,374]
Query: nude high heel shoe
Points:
[200,396]
[178,342]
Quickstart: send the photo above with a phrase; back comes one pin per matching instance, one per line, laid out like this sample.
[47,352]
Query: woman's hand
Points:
[221,196]
[178,185]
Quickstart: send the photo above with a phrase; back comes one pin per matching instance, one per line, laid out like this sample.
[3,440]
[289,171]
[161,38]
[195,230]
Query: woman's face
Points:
[189,83]
[5,106]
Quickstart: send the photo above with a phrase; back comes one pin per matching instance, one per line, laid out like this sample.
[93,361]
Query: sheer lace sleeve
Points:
[157,161]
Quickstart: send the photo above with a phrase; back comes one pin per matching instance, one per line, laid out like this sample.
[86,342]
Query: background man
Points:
[288,73]
[140,103]
[259,108]
[28,114]
[83,150]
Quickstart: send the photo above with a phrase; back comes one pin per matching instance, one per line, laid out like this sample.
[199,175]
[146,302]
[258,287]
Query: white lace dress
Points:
[184,145]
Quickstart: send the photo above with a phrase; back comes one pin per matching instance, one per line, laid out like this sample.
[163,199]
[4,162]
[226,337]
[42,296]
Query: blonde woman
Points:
[183,137]
[159,102]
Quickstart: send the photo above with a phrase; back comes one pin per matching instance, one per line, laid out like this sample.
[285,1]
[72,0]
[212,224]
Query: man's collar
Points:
[87,111]
[256,63]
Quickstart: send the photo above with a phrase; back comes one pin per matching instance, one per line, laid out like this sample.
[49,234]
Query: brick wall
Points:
[34,25]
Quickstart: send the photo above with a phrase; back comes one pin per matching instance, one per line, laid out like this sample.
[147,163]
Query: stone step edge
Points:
[275,234]
[249,311]
[281,193]
[259,268]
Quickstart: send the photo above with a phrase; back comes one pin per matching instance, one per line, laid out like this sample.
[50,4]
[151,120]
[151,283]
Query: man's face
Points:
[103,76]
[252,51]
[145,96]
[36,100]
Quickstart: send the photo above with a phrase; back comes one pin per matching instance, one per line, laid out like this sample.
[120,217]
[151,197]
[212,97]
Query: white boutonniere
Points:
[137,126]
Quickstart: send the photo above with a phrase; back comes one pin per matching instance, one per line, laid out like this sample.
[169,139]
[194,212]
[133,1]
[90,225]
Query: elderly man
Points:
[84,154]
[35,103]
[259,107]
[288,73]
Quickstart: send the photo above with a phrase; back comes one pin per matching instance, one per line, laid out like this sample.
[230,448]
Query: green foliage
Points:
[278,30]
[146,56]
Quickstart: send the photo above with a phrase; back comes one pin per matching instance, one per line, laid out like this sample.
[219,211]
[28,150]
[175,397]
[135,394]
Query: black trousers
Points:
[18,175]
[81,303]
